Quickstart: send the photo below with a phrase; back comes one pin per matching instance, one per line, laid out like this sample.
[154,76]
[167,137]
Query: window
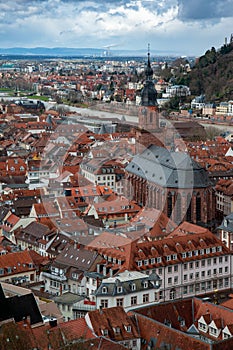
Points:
[185,266]
[119,289]
[104,332]
[146,262]
[220,259]
[184,255]
[175,268]
[169,269]
[174,256]
[197,263]
[134,300]
[104,303]
[152,261]
[145,298]
[168,257]
[185,277]
[175,279]
[215,260]
[185,290]
[203,263]
[208,261]
[197,275]
[117,330]
[169,280]
[139,263]
[119,302]
[191,276]
[220,270]
[104,290]
[160,271]
[215,271]
[213,331]
[226,258]
[226,269]
[202,273]
[191,265]
[128,328]
[159,259]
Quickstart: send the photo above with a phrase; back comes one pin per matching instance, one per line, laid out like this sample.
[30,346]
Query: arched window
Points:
[169,204]
[189,208]
[178,209]
[198,207]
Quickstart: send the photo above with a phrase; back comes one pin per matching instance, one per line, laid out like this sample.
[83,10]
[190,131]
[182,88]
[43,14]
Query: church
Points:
[161,178]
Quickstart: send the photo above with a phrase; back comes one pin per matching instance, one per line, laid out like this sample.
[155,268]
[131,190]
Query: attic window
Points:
[104,290]
[128,328]
[133,286]
[119,289]
[104,332]
[117,330]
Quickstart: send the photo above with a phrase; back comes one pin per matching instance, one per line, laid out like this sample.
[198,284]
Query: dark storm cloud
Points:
[204,10]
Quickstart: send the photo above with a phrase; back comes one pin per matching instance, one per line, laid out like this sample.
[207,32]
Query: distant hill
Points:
[212,75]
[66,51]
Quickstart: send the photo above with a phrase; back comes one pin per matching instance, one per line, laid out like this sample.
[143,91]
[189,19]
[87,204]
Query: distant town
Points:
[116,206]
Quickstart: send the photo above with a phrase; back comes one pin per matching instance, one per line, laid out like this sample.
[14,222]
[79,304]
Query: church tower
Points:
[148,132]
[148,111]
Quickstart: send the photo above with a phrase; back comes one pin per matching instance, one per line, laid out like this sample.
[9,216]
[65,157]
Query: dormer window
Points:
[145,284]
[207,250]
[104,332]
[190,254]
[213,249]
[202,252]
[117,330]
[128,328]
[133,286]
[168,257]
[119,289]
[139,263]
[159,259]
[146,262]
[219,248]
[184,255]
[174,256]
[196,252]
[104,290]
[152,260]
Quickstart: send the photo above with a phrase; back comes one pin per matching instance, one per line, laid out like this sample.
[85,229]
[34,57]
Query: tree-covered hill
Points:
[212,74]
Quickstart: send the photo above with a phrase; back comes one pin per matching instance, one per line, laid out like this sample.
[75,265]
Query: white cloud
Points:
[179,25]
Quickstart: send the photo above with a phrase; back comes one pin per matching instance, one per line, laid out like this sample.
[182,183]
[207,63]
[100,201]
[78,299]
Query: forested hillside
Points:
[212,74]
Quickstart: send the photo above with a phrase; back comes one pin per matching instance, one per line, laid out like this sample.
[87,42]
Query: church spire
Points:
[149,70]
[148,93]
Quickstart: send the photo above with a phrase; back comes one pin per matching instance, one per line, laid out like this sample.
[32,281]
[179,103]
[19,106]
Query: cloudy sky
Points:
[186,27]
